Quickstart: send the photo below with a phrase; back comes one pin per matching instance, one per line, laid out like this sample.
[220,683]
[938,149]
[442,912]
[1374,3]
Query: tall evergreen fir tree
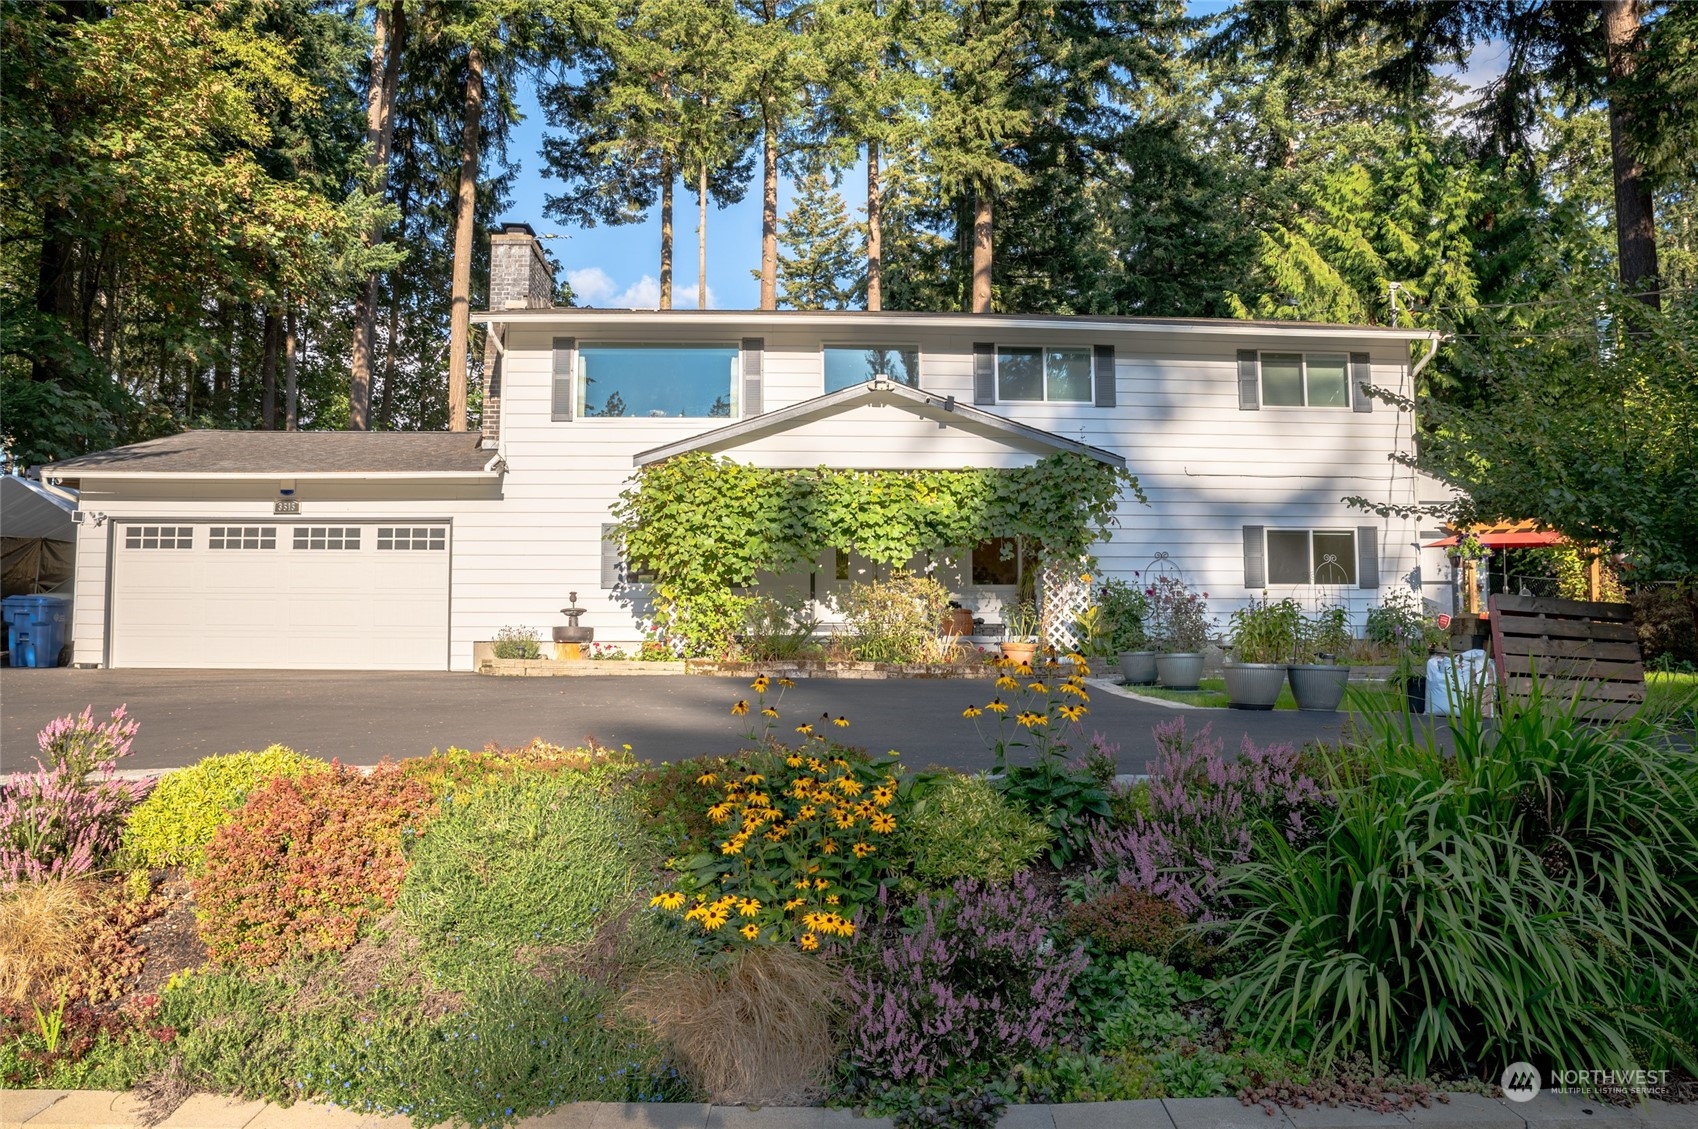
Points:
[819,250]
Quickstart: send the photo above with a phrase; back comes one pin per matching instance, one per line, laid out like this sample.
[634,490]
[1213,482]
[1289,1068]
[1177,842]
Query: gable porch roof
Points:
[881,391]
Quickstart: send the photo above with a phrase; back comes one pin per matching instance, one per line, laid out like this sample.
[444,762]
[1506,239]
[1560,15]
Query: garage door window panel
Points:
[159,537]
[412,538]
[241,537]
[327,537]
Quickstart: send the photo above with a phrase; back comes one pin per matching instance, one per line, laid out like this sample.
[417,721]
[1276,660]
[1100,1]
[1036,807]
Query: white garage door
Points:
[280,596]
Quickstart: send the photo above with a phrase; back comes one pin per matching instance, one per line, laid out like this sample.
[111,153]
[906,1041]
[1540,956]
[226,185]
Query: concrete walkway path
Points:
[98,1109]
[363,717]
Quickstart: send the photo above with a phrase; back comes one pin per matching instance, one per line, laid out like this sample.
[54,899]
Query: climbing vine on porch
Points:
[703,525]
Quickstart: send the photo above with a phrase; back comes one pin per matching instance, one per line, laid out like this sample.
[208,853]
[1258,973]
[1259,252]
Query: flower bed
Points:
[478,936]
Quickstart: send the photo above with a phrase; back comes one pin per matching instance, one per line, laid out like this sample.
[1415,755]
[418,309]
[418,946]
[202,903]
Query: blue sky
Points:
[619,266]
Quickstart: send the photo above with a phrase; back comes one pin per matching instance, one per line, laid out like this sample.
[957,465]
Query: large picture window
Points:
[848,365]
[1311,556]
[656,381]
[1031,372]
[1305,380]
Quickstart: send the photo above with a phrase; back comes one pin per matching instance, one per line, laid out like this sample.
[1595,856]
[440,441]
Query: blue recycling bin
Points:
[36,627]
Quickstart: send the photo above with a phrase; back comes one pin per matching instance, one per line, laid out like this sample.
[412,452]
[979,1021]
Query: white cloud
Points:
[590,285]
[644,294]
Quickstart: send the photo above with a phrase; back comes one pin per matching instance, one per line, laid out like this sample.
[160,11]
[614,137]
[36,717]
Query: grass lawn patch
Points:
[1211,693]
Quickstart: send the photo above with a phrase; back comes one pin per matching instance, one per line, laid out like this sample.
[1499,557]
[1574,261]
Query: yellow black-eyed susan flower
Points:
[707,778]
[862,850]
[840,722]
[971,712]
[1031,720]
[997,705]
[760,684]
[750,931]
[1072,713]
[884,823]
[808,942]
[741,708]
[670,900]
[768,711]
[786,683]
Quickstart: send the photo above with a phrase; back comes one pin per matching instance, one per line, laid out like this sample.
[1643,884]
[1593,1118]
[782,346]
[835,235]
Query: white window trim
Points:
[893,346]
[1267,559]
[1305,406]
[579,415]
[1090,363]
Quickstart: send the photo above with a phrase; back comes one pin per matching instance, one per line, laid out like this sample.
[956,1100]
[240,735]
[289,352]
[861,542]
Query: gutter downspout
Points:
[495,331]
[1434,338]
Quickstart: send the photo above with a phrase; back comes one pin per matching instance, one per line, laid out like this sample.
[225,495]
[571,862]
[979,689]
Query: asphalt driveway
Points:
[363,717]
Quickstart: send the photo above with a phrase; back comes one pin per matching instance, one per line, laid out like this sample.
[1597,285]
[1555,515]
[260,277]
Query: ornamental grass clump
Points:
[970,976]
[65,818]
[756,1029]
[1521,888]
[1203,815]
[173,825]
[307,863]
[800,838]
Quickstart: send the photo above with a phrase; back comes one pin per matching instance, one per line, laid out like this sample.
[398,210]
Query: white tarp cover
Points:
[37,539]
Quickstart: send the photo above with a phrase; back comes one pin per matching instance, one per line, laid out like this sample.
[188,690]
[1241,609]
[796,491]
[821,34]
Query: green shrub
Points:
[534,860]
[517,1045]
[1489,896]
[517,643]
[174,824]
[1127,920]
[306,863]
[963,828]
[897,620]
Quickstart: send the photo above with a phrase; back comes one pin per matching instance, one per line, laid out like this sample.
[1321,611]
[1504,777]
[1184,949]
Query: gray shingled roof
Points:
[287,452]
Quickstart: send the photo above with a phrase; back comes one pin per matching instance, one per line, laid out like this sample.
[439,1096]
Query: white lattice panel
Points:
[1063,595]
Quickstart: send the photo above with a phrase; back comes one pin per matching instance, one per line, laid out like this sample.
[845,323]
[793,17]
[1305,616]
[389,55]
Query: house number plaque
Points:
[287,506]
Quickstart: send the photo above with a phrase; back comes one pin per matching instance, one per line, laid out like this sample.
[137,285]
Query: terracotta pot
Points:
[1019,652]
[1138,668]
[1179,671]
[1254,686]
[960,622]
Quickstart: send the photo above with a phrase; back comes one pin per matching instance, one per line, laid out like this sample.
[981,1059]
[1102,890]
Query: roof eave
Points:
[63,471]
[1221,328]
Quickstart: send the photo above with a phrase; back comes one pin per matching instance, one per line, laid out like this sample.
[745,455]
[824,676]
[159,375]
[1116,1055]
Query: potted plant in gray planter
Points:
[1124,610]
[1264,638]
[1317,678]
[1181,628]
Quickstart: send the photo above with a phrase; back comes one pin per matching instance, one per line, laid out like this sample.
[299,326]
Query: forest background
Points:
[274,213]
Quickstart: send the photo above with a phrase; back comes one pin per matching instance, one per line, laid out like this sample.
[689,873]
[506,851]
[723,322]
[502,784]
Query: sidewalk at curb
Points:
[105,1109]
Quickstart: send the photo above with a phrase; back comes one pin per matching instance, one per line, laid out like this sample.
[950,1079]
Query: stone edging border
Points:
[105,1109]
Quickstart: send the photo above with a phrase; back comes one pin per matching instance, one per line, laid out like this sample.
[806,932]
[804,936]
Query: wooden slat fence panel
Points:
[1579,651]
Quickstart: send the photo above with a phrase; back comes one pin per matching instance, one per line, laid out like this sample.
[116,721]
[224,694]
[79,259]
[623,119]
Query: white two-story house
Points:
[400,550]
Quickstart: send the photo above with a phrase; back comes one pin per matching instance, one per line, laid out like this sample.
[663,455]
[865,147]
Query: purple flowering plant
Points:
[967,976]
[1204,812]
[65,818]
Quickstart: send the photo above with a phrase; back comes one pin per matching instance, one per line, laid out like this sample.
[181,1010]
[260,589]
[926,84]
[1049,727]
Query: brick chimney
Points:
[520,277]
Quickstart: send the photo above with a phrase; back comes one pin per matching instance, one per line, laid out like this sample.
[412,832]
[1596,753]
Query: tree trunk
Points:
[291,369]
[1635,226]
[875,237]
[390,32]
[981,253]
[460,315]
[701,238]
[769,217]
[386,397]
[666,175]
[53,288]
[221,363]
[272,335]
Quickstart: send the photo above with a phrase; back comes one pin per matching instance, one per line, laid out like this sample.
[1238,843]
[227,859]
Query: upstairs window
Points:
[849,365]
[1029,372]
[657,381]
[1305,380]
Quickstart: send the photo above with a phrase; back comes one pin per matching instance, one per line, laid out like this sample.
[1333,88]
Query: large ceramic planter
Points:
[1138,668]
[1019,652]
[1179,671]
[1318,688]
[1414,692]
[1254,686]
